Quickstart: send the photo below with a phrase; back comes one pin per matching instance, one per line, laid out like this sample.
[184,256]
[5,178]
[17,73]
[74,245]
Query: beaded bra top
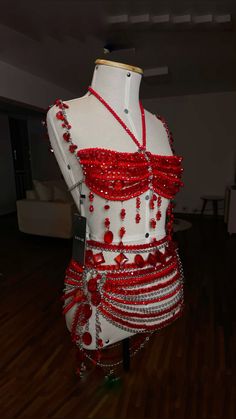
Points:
[120,176]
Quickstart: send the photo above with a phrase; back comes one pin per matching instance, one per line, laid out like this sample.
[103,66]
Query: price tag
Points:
[79,238]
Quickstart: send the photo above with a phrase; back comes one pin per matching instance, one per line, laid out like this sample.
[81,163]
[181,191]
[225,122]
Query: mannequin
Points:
[92,126]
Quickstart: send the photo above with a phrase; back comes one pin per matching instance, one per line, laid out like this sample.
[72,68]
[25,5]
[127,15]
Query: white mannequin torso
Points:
[94,126]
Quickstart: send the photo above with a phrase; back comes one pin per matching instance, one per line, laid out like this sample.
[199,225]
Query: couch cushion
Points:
[44,192]
[43,218]
[60,194]
[31,194]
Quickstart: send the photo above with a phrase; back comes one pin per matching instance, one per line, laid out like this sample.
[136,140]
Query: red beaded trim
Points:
[114,175]
[116,289]
[169,133]
[147,275]
[142,302]
[140,326]
[150,315]
[127,247]
[118,267]
[101,184]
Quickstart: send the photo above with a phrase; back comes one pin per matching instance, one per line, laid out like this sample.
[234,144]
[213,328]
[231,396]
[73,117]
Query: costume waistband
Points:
[143,247]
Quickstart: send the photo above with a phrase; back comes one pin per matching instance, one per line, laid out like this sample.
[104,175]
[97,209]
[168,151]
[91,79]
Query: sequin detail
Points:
[102,168]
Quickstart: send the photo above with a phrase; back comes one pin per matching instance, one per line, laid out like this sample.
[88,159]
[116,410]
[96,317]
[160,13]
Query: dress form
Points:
[93,126]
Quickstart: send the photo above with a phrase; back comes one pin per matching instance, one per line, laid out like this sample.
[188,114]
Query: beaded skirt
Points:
[141,292]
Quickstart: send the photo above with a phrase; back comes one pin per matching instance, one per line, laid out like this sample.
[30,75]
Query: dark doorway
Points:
[21,155]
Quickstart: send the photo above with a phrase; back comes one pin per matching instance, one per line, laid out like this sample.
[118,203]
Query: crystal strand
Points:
[122,230]
[159,202]
[152,207]
[91,198]
[138,203]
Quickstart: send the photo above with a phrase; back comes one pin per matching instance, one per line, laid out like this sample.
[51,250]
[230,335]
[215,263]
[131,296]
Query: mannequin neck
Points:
[118,87]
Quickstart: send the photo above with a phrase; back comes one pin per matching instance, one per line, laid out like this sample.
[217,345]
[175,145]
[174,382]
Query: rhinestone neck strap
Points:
[140,146]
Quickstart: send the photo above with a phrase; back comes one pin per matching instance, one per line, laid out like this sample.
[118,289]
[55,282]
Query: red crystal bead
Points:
[137,218]
[169,250]
[106,207]
[100,343]
[154,197]
[160,256]
[152,260]
[91,196]
[79,296]
[118,184]
[151,204]
[122,232]
[121,259]
[122,213]
[138,201]
[72,148]
[57,102]
[96,298]
[77,267]
[153,223]
[66,136]
[66,125]
[108,237]
[91,208]
[87,338]
[139,261]
[60,115]
[92,285]
[107,222]
[98,258]
[158,215]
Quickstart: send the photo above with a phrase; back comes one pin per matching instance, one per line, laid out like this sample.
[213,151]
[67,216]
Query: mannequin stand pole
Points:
[126,355]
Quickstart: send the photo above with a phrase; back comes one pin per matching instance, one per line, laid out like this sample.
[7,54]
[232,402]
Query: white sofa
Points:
[47,210]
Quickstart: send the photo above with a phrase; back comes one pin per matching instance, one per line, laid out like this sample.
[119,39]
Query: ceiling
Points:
[60,40]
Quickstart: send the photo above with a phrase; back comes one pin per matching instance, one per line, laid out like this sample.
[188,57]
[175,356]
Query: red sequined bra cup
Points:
[123,175]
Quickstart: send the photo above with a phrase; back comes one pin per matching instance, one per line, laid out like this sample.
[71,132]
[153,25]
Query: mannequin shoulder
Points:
[77,103]
[156,121]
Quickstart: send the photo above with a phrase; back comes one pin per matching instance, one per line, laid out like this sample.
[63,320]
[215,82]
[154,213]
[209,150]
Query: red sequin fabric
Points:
[122,175]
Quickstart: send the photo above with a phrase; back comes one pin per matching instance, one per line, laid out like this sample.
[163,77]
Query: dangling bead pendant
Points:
[122,228]
[91,198]
[153,223]
[152,207]
[138,217]
[170,220]
[108,235]
[106,206]
[122,232]
[122,214]
[159,202]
